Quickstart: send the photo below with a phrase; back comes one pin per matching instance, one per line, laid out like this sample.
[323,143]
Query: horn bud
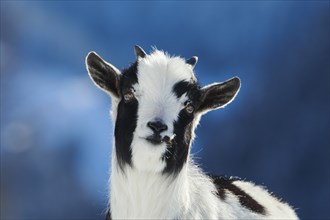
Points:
[192,61]
[139,52]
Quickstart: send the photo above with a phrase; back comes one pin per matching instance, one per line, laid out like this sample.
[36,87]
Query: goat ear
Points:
[103,74]
[218,95]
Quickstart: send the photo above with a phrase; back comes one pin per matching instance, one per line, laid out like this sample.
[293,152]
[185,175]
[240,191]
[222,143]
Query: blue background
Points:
[56,131]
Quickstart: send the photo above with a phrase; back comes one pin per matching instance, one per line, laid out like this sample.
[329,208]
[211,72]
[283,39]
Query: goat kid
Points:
[156,105]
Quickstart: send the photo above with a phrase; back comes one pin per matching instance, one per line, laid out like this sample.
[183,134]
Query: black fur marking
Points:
[177,151]
[182,87]
[224,183]
[108,216]
[126,118]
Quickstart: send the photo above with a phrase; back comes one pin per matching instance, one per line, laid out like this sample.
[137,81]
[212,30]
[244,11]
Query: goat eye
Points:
[190,108]
[128,96]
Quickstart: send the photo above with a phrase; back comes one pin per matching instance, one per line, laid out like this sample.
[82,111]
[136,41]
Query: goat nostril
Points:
[164,127]
[157,126]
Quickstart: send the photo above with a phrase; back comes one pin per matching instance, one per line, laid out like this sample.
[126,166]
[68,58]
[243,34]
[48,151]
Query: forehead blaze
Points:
[158,70]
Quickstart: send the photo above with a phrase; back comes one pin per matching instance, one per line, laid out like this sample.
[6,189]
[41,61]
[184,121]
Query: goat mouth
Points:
[155,139]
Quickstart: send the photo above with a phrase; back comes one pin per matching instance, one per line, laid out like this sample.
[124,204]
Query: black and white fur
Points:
[156,105]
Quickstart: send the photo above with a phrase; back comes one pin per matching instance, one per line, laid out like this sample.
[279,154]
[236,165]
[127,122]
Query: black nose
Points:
[157,126]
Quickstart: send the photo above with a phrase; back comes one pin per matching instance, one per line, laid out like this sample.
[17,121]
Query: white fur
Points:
[142,191]
[191,195]
[157,74]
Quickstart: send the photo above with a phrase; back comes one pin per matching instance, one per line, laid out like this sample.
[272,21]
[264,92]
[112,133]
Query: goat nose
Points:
[157,126]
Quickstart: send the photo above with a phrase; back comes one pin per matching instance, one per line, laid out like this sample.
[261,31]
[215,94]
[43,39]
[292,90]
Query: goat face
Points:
[157,102]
